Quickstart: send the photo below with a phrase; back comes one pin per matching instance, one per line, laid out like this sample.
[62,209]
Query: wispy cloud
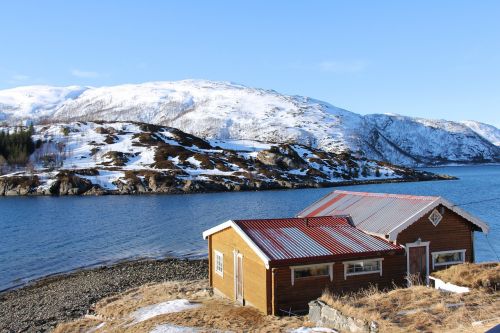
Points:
[84,74]
[335,66]
[20,77]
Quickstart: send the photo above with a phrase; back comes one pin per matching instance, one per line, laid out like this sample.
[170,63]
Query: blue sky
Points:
[438,59]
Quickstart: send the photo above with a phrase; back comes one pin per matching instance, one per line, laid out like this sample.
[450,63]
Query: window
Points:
[219,263]
[362,267]
[299,272]
[311,271]
[444,258]
[435,217]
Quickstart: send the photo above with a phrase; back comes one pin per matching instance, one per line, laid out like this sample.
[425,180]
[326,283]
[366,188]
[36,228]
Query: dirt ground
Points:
[214,313]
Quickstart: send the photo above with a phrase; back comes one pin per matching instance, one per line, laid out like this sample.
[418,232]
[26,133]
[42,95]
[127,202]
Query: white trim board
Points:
[236,256]
[242,234]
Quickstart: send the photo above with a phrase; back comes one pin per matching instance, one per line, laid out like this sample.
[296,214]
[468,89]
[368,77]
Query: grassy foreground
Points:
[415,309]
[115,314]
[422,309]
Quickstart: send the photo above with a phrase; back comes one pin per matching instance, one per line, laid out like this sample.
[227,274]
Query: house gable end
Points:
[477,223]
[243,235]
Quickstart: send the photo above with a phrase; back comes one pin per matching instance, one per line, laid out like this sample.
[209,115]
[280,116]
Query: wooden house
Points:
[343,242]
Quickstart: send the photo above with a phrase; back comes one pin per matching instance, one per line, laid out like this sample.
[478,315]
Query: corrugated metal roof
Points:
[316,237]
[377,213]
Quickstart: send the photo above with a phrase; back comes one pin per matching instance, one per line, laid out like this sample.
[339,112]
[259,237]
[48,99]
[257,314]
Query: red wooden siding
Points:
[304,290]
[452,233]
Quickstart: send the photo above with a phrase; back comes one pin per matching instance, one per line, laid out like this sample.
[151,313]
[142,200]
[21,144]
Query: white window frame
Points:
[330,271]
[346,263]
[221,255]
[435,254]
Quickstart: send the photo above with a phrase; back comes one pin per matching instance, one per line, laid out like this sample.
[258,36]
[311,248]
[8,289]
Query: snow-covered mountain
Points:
[489,132]
[227,111]
[427,141]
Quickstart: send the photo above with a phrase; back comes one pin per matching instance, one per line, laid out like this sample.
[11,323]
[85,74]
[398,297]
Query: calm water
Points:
[46,235]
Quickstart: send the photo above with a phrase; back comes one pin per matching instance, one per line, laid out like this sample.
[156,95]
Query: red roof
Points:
[322,238]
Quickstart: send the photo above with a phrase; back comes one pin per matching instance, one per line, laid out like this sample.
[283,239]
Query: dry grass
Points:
[472,275]
[415,309]
[421,309]
[214,313]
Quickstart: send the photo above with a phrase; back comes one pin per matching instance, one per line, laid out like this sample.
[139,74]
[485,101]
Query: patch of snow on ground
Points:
[93,329]
[154,310]
[313,330]
[241,145]
[174,329]
[105,178]
[167,328]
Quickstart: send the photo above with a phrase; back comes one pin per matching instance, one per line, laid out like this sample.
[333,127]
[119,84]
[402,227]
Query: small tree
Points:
[356,173]
[30,169]
[364,171]
[65,131]
[3,164]
[377,172]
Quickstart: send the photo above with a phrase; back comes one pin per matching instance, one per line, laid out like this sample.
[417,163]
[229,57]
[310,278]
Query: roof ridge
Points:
[343,216]
[389,195]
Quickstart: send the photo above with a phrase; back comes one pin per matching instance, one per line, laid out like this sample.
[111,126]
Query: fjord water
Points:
[46,235]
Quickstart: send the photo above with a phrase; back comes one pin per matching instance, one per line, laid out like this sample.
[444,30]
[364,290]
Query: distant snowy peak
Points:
[229,111]
[34,102]
[428,141]
[489,132]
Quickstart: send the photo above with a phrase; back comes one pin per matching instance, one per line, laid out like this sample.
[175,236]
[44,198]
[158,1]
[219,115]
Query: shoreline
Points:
[43,303]
[276,187]
[26,282]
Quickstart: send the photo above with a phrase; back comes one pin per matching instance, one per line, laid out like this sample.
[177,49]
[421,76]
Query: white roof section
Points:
[383,214]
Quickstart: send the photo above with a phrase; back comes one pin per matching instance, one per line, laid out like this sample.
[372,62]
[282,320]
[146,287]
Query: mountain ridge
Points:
[230,111]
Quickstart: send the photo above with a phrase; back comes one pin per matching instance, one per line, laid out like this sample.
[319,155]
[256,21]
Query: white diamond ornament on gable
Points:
[435,217]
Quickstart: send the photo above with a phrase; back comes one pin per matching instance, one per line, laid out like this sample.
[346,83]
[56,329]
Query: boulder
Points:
[323,315]
[282,156]
[68,183]
[18,185]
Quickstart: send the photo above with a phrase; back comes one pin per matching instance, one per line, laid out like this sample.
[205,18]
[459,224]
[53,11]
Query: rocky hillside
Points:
[226,111]
[124,158]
